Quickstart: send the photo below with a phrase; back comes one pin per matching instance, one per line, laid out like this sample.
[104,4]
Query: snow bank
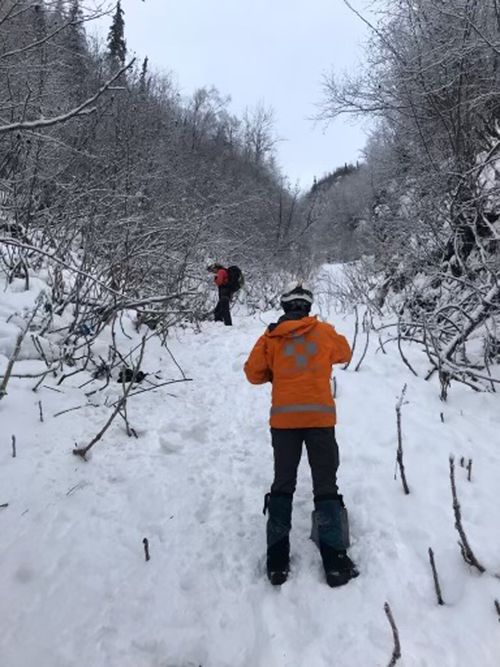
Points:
[76,589]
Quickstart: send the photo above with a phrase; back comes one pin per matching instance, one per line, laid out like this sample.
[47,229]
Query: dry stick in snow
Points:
[123,411]
[40,410]
[156,386]
[4,505]
[469,471]
[130,430]
[381,344]
[467,553]
[77,407]
[399,454]
[62,412]
[353,346]
[437,587]
[367,327]
[497,607]
[46,386]
[39,349]
[14,451]
[82,451]
[396,654]
[400,348]
[146,548]
[174,360]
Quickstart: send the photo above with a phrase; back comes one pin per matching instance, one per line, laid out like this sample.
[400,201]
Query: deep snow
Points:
[75,589]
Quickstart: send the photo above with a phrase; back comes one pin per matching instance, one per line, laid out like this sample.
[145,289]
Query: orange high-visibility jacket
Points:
[297,357]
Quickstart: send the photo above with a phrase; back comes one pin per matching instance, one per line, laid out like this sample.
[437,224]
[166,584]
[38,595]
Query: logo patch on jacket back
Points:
[301,351]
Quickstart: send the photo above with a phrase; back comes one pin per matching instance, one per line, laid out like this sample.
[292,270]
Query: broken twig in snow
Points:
[437,587]
[14,450]
[396,653]
[353,346]
[146,549]
[400,348]
[367,325]
[399,454]
[469,471]
[467,553]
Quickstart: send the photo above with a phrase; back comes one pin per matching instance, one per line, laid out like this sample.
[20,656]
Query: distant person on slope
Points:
[228,282]
[296,355]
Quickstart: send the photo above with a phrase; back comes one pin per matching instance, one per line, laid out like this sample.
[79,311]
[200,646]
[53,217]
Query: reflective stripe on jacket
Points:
[297,357]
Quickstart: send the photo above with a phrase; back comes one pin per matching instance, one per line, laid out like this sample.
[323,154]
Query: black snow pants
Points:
[222,312]
[322,452]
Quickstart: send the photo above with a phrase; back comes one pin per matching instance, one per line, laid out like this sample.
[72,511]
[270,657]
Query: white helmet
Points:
[297,292]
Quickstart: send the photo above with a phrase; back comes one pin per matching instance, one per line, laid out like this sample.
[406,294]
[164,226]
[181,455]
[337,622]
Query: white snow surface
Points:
[76,591]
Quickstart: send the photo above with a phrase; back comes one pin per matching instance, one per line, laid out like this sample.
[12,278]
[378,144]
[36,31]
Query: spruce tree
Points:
[117,47]
[143,81]
[76,54]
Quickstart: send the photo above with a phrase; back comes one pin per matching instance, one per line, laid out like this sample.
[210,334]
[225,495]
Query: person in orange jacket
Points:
[222,312]
[296,355]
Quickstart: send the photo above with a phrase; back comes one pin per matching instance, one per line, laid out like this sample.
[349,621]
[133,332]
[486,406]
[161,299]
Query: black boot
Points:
[331,533]
[339,568]
[279,507]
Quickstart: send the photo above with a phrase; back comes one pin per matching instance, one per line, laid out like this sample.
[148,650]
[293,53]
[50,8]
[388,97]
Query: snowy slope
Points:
[75,589]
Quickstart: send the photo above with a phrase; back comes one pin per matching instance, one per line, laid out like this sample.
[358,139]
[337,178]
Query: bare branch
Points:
[396,653]
[465,549]
[80,110]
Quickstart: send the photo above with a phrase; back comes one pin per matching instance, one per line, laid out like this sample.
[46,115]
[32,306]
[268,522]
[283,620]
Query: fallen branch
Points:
[82,451]
[396,653]
[155,386]
[77,407]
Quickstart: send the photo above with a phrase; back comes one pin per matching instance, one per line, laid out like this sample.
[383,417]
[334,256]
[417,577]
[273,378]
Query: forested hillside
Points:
[105,167]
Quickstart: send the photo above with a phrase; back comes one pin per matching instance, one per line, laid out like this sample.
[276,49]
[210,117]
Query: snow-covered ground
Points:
[76,591]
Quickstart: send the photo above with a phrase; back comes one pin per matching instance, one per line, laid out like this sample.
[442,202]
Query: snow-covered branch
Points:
[82,109]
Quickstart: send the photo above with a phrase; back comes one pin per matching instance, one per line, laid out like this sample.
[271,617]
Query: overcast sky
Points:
[274,51]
